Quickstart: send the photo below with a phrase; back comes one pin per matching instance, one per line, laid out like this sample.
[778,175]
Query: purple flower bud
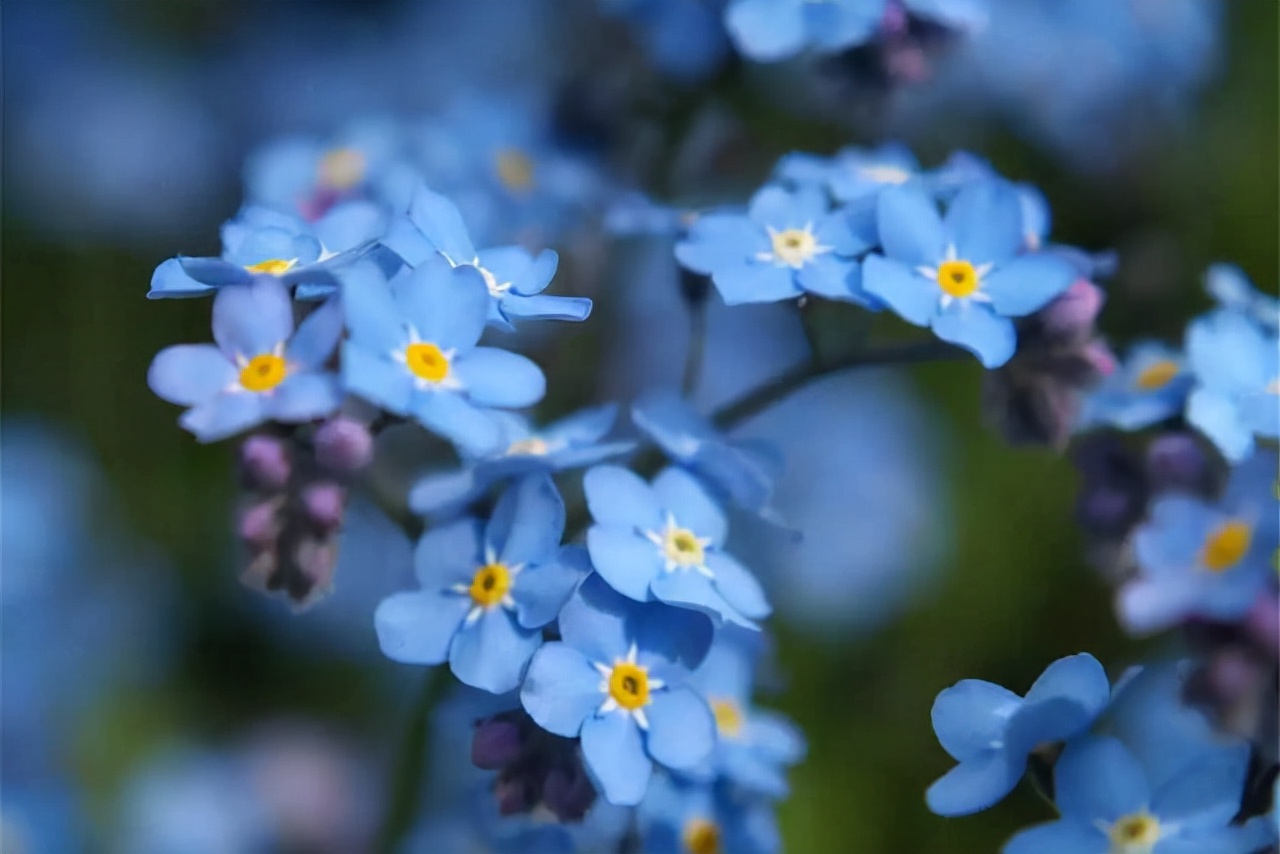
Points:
[343,446]
[1176,462]
[516,793]
[323,503]
[1075,310]
[264,463]
[1100,358]
[259,525]
[495,744]
[568,792]
[1262,623]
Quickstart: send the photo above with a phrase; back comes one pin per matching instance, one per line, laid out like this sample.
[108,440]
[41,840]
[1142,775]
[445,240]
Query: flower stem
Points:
[411,762]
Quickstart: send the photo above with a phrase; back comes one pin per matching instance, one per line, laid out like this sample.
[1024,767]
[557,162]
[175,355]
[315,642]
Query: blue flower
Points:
[991,731]
[1109,805]
[754,745]
[682,39]
[260,370]
[665,541]
[742,470]
[788,243]
[413,352]
[962,276]
[615,680]
[263,242]
[1237,393]
[771,30]
[852,174]
[487,591]
[680,816]
[1232,289]
[1205,560]
[572,442]
[1150,386]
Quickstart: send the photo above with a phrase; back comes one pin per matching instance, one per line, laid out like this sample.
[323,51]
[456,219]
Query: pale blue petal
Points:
[1097,778]
[613,751]
[447,306]
[492,653]
[913,297]
[1151,604]
[748,282]
[595,621]
[448,554]
[765,30]
[624,559]
[303,397]
[911,231]
[445,493]
[1176,527]
[971,715]
[371,313]
[527,523]
[975,784]
[473,430]
[719,241]
[541,591]
[1059,837]
[317,336]
[546,307]
[985,220]
[1204,795]
[441,223]
[683,496]
[1027,283]
[224,415]
[682,730]
[738,586]
[781,209]
[170,280]
[405,240]
[493,377]
[416,628]
[1218,418]
[561,689]
[618,496]
[974,327]
[1076,677]
[249,320]
[689,589]
[775,736]
[672,639]
[830,277]
[1046,722]
[350,224]
[527,274]
[378,380]
[188,374]
[214,272]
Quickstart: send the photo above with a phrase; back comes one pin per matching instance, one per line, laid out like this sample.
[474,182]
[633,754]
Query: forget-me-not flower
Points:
[260,370]
[616,681]
[852,173]
[1205,560]
[991,731]
[785,245]
[1148,387]
[1236,363]
[665,541]
[1232,289]
[413,351]
[487,590]
[678,815]
[962,275]
[771,30]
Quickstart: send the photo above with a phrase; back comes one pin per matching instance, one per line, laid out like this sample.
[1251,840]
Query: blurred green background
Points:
[1015,594]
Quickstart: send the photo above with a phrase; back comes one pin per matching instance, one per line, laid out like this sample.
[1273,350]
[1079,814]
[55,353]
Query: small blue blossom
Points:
[1109,806]
[991,731]
[616,680]
[852,174]
[1228,284]
[1151,385]
[572,442]
[413,351]
[787,244]
[771,30]
[487,591]
[260,370]
[963,275]
[514,277]
[682,816]
[1205,560]
[1237,368]
[665,541]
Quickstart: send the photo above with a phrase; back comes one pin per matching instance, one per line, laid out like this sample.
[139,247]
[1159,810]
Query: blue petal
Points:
[492,653]
[1059,837]
[188,374]
[527,523]
[1148,605]
[224,415]
[1076,677]
[350,224]
[317,335]
[594,621]
[684,497]
[249,320]
[303,397]
[1027,283]
[738,587]
[546,307]
[541,591]
[170,280]
[672,636]
[381,382]
[682,730]
[1098,779]
[586,425]
[618,496]
[719,241]
[1218,418]
[974,327]
[446,305]
[985,220]
[448,554]
[1046,722]
[749,282]
[493,377]
[1205,794]
[527,274]
[445,493]
[416,628]
[406,241]
[214,272]
[913,297]
[561,689]
[971,715]
[1176,527]
[911,231]
[689,589]
[775,736]
[830,277]
[624,559]
[372,315]
[975,784]
[765,30]
[614,754]
[473,430]
[781,209]
[441,223]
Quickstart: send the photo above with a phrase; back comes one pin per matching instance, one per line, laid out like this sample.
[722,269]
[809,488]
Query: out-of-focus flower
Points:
[771,30]
[1237,369]
[678,815]
[1148,387]
[684,40]
[852,173]
[1228,284]
[261,369]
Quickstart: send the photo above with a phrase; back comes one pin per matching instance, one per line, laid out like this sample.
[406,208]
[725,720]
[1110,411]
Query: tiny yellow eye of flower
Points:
[701,836]
[1134,834]
[263,372]
[1157,375]
[1226,545]
[532,447]
[515,169]
[427,361]
[272,266]
[683,548]
[957,278]
[490,584]
[728,717]
[341,168]
[629,685]
[794,246]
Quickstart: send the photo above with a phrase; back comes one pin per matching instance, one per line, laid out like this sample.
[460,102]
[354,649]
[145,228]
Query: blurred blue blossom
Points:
[684,40]
[770,30]
[852,173]
[677,815]
[1228,284]
[1237,369]
[1149,386]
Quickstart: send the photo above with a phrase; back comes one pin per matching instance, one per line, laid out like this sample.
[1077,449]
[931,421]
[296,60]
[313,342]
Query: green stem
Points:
[408,782]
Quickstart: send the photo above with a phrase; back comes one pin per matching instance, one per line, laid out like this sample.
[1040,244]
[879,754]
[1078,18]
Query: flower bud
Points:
[323,504]
[343,446]
[568,792]
[1176,462]
[259,525]
[495,743]
[264,463]
[1074,311]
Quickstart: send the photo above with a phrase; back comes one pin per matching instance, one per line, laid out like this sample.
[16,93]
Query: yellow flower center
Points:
[531,447]
[701,836]
[794,246]
[272,266]
[263,372]
[885,174]
[515,169]
[957,278]
[683,548]
[490,584]
[1156,375]
[728,717]
[341,168]
[1134,834]
[427,361]
[629,685]
[1226,545]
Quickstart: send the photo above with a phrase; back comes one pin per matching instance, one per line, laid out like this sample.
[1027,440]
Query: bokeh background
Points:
[150,700]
